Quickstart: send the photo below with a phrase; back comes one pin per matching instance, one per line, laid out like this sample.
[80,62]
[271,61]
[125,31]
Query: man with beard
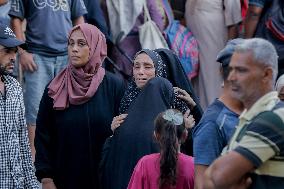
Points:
[16,165]
[254,157]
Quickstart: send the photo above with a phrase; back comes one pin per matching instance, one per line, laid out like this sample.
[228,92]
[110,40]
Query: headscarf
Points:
[280,83]
[177,76]
[77,85]
[132,89]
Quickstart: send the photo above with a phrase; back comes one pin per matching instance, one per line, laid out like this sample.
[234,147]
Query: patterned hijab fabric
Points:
[133,91]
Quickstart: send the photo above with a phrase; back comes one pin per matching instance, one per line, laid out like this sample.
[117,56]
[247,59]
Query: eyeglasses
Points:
[9,50]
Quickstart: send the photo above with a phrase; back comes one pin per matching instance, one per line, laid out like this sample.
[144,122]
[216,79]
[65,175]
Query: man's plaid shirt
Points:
[16,167]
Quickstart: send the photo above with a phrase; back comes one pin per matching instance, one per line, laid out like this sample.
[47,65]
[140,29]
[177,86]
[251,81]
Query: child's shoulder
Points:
[184,157]
[150,157]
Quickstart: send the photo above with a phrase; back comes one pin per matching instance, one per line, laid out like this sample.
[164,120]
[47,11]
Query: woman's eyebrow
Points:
[84,40]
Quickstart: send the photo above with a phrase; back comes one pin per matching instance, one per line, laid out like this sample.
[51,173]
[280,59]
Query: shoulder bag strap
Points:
[147,16]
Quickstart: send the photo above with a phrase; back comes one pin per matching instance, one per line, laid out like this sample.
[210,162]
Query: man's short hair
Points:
[263,52]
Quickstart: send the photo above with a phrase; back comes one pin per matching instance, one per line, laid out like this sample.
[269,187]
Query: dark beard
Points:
[3,71]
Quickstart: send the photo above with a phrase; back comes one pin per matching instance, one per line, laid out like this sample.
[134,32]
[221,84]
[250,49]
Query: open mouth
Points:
[234,88]
[141,79]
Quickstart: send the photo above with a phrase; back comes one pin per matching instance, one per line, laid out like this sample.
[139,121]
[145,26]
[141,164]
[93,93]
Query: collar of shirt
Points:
[265,103]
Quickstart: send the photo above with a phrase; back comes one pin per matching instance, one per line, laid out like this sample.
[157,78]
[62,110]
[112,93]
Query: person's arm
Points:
[30,179]
[79,20]
[43,138]
[228,166]
[17,25]
[117,121]
[78,9]
[199,171]
[233,17]
[252,19]
[25,58]
[233,31]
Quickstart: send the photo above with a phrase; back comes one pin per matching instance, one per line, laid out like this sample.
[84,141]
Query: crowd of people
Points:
[97,111]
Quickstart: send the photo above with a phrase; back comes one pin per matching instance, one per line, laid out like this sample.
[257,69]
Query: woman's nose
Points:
[141,70]
[74,47]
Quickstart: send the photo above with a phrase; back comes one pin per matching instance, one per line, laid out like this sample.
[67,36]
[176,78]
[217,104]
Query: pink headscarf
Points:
[77,85]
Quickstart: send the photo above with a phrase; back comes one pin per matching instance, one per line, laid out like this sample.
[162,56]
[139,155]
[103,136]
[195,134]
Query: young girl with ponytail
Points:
[168,169]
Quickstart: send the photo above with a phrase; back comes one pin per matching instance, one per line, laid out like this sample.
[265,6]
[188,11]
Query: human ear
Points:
[267,74]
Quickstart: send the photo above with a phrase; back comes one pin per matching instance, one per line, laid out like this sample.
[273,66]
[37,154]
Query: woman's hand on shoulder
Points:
[117,120]
[183,95]
[189,121]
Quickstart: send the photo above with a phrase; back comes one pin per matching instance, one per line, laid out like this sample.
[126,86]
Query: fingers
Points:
[186,114]
[27,62]
[31,67]
[183,95]
[189,121]
[117,121]
[183,92]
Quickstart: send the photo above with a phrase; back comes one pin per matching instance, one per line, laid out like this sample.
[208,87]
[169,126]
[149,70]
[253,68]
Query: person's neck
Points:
[178,148]
[231,103]
[248,103]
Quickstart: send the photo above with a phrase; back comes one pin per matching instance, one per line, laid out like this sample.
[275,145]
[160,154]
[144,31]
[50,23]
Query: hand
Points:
[117,120]
[189,121]
[243,184]
[27,62]
[182,94]
[47,183]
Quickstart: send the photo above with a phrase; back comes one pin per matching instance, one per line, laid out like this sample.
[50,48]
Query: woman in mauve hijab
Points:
[75,114]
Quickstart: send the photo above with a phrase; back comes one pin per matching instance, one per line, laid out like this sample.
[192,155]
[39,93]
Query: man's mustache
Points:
[3,69]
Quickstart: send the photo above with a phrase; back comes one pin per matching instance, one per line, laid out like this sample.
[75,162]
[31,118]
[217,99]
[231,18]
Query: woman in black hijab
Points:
[177,76]
[148,94]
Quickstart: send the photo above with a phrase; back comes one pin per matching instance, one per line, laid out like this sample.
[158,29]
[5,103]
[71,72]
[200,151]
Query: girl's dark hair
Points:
[169,134]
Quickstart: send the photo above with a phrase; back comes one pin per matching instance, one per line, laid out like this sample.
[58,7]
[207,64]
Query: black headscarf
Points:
[177,76]
[132,90]
[134,138]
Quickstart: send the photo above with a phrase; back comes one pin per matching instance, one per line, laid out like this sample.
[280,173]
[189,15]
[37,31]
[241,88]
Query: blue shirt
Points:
[4,17]
[48,23]
[213,132]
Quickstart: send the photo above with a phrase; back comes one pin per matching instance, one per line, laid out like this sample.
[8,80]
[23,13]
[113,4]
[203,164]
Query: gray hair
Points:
[263,53]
